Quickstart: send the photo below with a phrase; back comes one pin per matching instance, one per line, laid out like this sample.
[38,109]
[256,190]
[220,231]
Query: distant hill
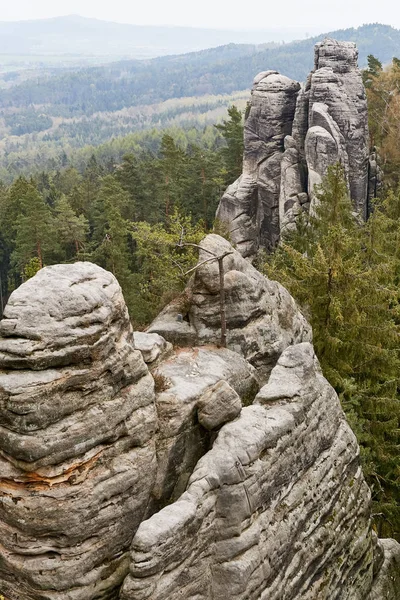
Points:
[82,36]
[68,109]
[220,70]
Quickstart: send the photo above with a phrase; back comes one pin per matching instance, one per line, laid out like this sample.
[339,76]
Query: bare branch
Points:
[184,244]
[216,257]
[200,264]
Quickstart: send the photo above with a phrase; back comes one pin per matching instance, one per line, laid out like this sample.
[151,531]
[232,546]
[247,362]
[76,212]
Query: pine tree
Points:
[72,230]
[232,131]
[111,237]
[173,167]
[34,230]
[345,276]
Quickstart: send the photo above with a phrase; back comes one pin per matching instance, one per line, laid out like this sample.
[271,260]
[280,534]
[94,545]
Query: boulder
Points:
[152,346]
[218,405]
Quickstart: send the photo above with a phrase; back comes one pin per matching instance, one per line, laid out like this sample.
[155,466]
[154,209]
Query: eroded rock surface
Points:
[188,399]
[77,428]
[277,509]
[386,585]
[251,205]
[262,318]
[188,481]
[292,135]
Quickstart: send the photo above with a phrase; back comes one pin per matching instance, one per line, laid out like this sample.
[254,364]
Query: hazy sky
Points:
[237,14]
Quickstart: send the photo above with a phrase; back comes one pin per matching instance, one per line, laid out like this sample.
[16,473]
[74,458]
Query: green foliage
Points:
[34,230]
[374,69]
[345,275]
[94,106]
[72,230]
[27,121]
[161,264]
[383,94]
[31,268]
[232,131]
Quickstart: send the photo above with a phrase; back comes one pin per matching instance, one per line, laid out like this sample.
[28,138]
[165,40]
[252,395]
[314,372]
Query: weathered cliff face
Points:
[300,132]
[77,428]
[113,441]
[277,509]
[251,204]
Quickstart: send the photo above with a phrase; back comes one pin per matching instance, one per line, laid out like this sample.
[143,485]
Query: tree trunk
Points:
[39,254]
[222,301]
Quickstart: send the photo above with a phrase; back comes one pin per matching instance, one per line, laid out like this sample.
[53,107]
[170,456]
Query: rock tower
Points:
[292,134]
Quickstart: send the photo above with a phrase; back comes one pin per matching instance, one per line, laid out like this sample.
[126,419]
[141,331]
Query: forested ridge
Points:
[221,70]
[45,116]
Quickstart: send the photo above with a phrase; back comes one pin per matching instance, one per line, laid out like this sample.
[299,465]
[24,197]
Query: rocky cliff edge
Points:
[159,465]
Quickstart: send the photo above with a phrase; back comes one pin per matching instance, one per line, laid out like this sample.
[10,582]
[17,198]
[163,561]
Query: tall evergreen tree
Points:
[111,237]
[72,230]
[344,277]
[232,131]
[34,230]
[173,167]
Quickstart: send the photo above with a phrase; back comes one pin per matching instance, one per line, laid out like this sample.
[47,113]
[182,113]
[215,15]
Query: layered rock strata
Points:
[77,428]
[292,135]
[251,205]
[277,509]
[166,472]
[198,390]
[262,318]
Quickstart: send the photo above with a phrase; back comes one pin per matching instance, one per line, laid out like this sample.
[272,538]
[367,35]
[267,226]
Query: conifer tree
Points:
[345,276]
[111,235]
[173,168]
[72,230]
[232,130]
[34,231]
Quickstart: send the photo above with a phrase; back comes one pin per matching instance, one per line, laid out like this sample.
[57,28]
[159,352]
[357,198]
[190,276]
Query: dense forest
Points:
[96,212]
[45,116]
[110,135]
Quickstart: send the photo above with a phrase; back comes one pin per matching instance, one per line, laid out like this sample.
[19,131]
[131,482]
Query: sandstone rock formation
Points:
[292,135]
[176,476]
[191,386]
[77,427]
[277,509]
[251,205]
[262,317]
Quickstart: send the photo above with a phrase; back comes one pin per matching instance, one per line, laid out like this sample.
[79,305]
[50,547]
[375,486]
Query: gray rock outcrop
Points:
[189,406]
[77,428]
[262,318]
[292,135]
[278,508]
[251,205]
[176,476]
